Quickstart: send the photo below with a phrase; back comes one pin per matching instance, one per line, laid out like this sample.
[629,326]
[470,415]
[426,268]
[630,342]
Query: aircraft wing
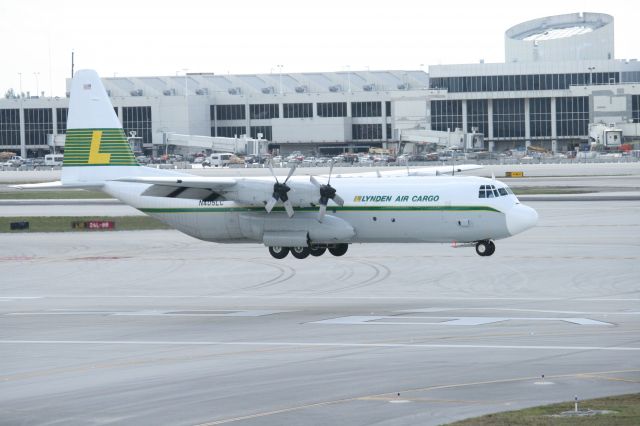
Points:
[212,183]
[245,190]
[414,171]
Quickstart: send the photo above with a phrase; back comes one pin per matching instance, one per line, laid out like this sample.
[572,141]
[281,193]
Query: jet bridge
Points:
[241,145]
[410,139]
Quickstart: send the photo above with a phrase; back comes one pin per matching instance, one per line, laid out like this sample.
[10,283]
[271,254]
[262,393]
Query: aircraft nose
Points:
[520,218]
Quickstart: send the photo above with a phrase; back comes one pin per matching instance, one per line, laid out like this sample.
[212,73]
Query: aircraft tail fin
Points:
[96,148]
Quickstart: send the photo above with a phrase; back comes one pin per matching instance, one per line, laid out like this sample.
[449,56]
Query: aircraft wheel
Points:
[492,248]
[339,249]
[300,252]
[485,248]
[279,252]
[317,251]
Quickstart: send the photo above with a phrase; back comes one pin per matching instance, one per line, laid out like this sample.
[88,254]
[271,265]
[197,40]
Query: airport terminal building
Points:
[559,77]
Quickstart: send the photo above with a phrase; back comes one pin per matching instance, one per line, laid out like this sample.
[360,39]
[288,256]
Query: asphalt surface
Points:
[154,327]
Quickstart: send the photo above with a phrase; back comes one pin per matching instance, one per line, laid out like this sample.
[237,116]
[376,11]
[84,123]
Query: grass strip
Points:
[64,223]
[625,412]
[549,190]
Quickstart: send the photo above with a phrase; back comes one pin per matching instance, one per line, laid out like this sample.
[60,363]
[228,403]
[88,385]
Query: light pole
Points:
[280,70]
[591,75]
[36,74]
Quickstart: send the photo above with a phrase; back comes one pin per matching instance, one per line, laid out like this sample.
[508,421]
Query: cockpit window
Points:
[490,191]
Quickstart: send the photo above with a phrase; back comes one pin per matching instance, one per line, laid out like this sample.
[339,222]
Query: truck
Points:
[218,159]
[53,159]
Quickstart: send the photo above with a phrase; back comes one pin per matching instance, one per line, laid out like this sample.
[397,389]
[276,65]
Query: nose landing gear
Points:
[485,248]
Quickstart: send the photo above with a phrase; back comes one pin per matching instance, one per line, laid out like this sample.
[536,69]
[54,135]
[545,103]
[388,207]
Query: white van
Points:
[219,159]
[53,159]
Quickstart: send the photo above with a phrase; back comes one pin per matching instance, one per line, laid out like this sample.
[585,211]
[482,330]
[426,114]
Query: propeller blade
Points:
[272,172]
[288,207]
[322,212]
[291,170]
[338,200]
[270,204]
[314,181]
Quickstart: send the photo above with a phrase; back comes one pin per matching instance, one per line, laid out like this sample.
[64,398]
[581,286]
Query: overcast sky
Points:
[141,38]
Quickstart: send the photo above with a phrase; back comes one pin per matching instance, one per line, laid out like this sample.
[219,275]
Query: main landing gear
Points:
[485,248]
[303,252]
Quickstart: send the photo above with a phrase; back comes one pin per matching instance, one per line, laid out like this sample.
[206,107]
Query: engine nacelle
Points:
[258,193]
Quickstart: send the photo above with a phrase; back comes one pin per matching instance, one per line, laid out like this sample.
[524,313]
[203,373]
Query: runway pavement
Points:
[154,327]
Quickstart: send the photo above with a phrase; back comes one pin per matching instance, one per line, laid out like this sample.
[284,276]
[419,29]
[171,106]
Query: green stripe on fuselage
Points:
[313,209]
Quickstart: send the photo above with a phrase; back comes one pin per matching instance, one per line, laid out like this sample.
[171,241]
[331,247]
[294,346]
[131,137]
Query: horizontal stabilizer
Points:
[55,185]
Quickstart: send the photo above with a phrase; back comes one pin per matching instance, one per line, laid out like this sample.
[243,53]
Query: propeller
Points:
[280,192]
[327,192]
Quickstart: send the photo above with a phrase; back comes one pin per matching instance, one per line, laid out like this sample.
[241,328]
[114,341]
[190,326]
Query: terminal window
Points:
[38,123]
[229,131]
[478,116]
[540,117]
[61,120]
[508,118]
[572,116]
[265,130]
[228,112]
[635,108]
[263,111]
[446,115]
[331,109]
[137,119]
[366,109]
[10,126]
[366,131]
[304,110]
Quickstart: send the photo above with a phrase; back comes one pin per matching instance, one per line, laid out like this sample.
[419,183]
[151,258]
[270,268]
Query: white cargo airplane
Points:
[302,215]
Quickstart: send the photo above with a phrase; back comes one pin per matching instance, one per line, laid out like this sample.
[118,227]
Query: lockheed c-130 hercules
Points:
[301,215]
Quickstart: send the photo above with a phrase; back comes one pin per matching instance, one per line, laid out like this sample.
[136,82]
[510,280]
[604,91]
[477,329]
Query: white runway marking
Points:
[542,311]
[315,344]
[375,320]
[12,298]
[311,297]
[153,313]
